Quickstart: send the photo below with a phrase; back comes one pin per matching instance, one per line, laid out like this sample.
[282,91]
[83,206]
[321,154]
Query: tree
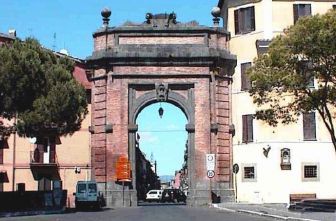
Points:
[37,87]
[281,78]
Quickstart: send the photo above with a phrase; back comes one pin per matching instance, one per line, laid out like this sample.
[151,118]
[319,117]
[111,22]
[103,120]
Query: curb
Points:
[275,216]
[263,214]
[30,213]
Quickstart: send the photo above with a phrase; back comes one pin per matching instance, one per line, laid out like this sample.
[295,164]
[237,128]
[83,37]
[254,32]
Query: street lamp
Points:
[160,112]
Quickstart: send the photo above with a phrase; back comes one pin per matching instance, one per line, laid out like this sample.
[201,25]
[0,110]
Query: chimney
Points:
[12,33]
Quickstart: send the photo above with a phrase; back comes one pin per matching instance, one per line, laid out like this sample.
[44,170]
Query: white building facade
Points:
[274,162]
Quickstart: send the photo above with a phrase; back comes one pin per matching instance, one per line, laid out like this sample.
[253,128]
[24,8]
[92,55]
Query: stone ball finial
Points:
[106,13]
[216,12]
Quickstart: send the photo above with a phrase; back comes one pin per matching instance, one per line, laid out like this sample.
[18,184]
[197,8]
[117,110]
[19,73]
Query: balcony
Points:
[44,165]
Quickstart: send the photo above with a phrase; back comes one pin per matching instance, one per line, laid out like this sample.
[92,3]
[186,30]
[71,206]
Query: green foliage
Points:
[280,78]
[38,87]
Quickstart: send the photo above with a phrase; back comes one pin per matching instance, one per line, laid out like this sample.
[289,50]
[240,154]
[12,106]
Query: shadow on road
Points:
[141,203]
[74,210]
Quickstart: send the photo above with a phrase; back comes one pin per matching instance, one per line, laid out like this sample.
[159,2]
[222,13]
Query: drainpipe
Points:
[14,155]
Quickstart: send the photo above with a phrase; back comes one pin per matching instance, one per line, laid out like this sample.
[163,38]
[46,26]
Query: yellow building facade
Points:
[273,162]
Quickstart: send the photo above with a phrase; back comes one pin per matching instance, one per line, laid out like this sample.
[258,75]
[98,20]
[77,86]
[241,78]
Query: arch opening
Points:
[161,149]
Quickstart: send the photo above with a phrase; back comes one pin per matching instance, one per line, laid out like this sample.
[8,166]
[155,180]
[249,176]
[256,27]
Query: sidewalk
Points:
[276,211]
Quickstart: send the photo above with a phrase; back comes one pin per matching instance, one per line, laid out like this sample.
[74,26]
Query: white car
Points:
[154,195]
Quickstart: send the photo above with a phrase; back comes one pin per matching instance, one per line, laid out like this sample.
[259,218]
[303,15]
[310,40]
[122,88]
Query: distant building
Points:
[274,162]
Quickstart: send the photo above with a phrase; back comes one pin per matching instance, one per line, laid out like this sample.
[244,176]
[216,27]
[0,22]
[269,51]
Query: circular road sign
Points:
[235,168]
[211,173]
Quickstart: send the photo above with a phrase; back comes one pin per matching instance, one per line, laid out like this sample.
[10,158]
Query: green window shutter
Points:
[236,21]
[309,126]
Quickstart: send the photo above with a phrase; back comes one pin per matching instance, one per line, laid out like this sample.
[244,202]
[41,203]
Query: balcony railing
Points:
[44,164]
[37,157]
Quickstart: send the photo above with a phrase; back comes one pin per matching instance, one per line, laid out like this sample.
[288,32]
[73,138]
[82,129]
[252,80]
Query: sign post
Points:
[235,170]
[123,173]
[210,164]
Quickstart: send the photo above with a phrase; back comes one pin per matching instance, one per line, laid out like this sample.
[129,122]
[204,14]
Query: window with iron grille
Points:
[247,128]
[244,20]
[310,172]
[309,126]
[301,10]
[245,80]
[249,173]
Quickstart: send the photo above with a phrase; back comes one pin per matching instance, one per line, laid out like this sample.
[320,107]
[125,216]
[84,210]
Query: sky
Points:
[164,137]
[69,24]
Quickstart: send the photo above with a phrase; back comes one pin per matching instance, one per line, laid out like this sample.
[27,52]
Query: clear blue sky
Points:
[74,21]
[164,137]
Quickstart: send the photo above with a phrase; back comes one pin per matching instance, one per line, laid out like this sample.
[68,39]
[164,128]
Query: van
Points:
[87,195]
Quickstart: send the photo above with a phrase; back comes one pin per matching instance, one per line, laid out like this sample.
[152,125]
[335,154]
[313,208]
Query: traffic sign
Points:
[210,161]
[211,173]
[123,169]
[235,168]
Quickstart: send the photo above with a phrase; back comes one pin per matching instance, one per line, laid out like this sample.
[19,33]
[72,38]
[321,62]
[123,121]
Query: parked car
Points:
[173,195]
[154,195]
[88,196]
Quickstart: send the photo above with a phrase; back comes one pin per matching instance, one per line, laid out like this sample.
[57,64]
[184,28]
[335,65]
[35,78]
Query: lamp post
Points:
[160,112]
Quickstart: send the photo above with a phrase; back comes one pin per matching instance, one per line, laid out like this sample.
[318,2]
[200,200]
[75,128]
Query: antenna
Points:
[152,157]
[54,42]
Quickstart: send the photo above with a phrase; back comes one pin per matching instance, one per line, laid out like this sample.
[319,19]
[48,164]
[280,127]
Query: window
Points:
[245,80]
[88,96]
[1,155]
[309,126]
[301,10]
[249,172]
[334,6]
[310,172]
[304,68]
[247,128]
[244,20]
[44,184]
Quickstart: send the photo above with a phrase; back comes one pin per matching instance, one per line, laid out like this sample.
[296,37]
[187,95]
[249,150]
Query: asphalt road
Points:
[146,213]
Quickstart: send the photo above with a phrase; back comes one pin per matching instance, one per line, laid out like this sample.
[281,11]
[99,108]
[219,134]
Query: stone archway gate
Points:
[161,59]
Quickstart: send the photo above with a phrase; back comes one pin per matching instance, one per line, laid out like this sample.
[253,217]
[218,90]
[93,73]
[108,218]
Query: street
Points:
[147,213]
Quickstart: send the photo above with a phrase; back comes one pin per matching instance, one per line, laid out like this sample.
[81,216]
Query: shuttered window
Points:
[245,80]
[309,126]
[300,10]
[247,128]
[244,20]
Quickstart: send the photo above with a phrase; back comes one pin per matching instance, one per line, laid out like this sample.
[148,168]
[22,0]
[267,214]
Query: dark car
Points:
[173,195]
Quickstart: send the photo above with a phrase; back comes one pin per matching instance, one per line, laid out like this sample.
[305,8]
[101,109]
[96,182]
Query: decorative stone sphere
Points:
[106,12]
[149,15]
[215,12]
